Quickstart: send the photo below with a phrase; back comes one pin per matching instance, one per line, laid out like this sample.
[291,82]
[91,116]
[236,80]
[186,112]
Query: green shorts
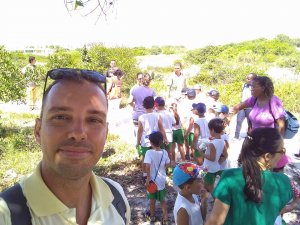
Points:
[158,195]
[142,150]
[191,139]
[198,153]
[166,147]
[178,136]
[210,178]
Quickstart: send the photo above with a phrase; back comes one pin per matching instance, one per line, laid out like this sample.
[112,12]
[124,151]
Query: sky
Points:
[192,23]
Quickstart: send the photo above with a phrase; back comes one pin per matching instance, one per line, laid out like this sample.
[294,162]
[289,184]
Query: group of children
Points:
[199,130]
[161,129]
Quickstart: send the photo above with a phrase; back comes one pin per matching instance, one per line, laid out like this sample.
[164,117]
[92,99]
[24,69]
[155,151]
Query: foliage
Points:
[155,50]
[70,59]
[12,84]
[100,57]
[289,93]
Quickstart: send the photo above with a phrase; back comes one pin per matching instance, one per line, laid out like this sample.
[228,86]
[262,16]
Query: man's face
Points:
[249,78]
[112,63]
[140,79]
[73,129]
[177,69]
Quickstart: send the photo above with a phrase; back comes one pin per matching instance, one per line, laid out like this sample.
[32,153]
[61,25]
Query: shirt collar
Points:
[44,203]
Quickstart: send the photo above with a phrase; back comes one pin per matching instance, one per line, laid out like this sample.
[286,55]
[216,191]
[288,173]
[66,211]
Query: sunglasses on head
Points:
[64,73]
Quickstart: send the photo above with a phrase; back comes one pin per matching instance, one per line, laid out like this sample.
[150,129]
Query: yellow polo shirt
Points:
[47,209]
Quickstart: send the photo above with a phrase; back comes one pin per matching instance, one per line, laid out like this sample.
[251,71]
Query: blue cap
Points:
[213,92]
[191,93]
[222,109]
[185,171]
[159,101]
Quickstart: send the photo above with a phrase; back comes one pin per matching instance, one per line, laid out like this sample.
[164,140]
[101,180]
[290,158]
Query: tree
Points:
[87,7]
[12,82]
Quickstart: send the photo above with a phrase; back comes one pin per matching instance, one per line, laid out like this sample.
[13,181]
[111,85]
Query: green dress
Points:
[277,191]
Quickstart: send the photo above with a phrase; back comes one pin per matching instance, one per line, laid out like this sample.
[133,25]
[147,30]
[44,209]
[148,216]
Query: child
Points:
[222,112]
[178,136]
[156,161]
[168,120]
[296,199]
[147,123]
[187,209]
[201,132]
[216,147]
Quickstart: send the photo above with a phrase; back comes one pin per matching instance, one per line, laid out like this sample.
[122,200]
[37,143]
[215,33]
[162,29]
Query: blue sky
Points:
[193,23]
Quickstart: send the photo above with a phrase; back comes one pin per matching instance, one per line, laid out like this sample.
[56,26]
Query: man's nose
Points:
[78,131]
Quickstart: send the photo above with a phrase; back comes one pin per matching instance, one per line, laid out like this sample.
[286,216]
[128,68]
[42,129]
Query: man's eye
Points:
[95,120]
[60,117]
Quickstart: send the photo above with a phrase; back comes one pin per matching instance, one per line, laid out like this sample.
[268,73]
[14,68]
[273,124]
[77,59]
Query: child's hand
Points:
[147,182]
[203,194]
[287,208]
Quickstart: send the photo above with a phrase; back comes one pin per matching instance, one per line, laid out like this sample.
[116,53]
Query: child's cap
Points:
[213,92]
[184,91]
[185,171]
[156,138]
[285,159]
[200,107]
[191,93]
[159,101]
[222,109]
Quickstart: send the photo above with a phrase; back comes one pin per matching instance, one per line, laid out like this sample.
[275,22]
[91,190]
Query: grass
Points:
[20,153]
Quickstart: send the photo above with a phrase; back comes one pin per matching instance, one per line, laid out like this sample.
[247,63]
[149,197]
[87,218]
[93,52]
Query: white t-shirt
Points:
[168,120]
[193,209]
[153,157]
[150,123]
[203,125]
[224,165]
[214,166]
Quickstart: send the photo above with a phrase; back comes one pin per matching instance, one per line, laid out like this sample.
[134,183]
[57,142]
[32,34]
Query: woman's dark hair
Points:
[216,124]
[267,83]
[259,142]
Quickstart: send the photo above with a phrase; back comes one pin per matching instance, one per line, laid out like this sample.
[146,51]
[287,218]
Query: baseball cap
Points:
[159,101]
[285,159]
[200,107]
[191,93]
[185,171]
[222,109]
[184,91]
[213,92]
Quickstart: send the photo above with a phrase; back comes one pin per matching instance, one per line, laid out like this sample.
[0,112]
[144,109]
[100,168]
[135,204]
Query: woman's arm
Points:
[218,214]
[235,109]
[281,125]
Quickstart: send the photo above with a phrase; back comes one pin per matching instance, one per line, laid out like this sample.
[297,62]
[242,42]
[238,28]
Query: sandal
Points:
[164,222]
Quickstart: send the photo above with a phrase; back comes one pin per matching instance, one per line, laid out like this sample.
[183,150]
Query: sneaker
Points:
[187,157]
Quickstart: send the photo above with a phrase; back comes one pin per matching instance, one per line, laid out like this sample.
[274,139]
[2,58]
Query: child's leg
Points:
[181,151]
[164,209]
[172,153]
[152,207]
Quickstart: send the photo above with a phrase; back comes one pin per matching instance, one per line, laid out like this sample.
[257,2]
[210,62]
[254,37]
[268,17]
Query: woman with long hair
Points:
[267,109]
[253,194]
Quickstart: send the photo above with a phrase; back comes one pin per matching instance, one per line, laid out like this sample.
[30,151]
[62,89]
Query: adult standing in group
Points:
[30,74]
[71,131]
[139,82]
[176,82]
[252,194]
[137,97]
[244,113]
[267,109]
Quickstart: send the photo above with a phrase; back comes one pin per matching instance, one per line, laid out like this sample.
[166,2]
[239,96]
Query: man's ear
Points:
[37,130]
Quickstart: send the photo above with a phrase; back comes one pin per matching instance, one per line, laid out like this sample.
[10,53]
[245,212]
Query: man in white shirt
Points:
[176,82]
